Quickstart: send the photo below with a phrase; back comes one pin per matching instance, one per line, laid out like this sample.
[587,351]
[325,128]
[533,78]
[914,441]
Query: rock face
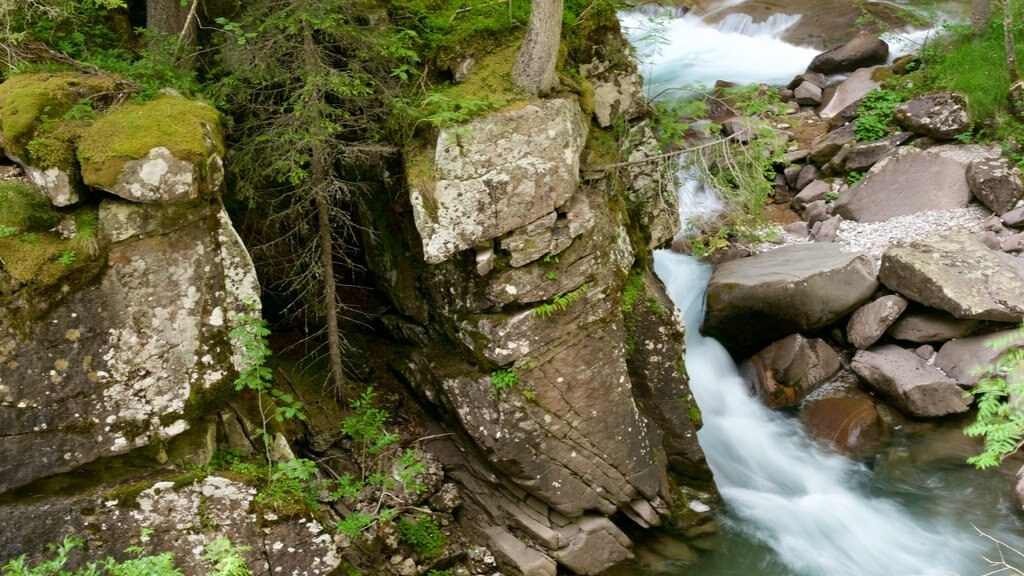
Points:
[940,115]
[955,272]
[909,382]
[904,183]
[995,183]
[788,370]
[790,289]
[616,94]
[129,359]
[498,174]
[862,50]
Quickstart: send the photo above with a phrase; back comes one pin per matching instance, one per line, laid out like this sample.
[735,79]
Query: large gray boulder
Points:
[131,359]
[906,182]
[498,173]
[941,115]
[995,183]
[756,300]
[786,371]
[916,388]
[869,322]
[862,50]
[965,359]
[955,272]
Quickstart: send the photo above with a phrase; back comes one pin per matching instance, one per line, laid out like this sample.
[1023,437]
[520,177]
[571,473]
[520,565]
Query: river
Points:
[792,507]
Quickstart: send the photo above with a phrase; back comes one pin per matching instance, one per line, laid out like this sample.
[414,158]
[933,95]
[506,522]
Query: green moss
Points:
[27,101]
[131,130]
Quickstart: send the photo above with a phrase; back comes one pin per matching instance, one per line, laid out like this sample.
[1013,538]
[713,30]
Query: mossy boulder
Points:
[163,150]
[39,129]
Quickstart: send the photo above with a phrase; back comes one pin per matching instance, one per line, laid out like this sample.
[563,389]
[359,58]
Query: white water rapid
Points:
[792,507]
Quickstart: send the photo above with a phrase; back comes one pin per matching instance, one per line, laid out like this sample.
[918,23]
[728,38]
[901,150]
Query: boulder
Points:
[816,190]
[617,93]
[788,370]
[859,156]
[906,182]
[596,545]
[955,272]
[754,301]
[130,360]
[808,173]
[916,388]
[496,174]
[849,93]
[807,94]
[165,150]
[824,147]
[995,183]
[862,50]
[869,322]
[849,425]
[941,115]
[922,327]
[827,230]
[964,359]
[1014,218]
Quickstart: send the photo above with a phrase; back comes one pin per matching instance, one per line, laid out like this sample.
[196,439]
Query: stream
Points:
[792,507]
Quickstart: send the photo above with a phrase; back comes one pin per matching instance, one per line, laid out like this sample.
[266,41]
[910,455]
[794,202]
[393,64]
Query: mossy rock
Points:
[163,150]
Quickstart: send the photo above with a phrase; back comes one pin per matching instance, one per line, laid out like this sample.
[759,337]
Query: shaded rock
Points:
[816,190]
[807,94]
[498,173]
[862,50]
[963,358]
[848,93]
[824,147]
[906,182]
[859,156]
[597,545]
[817,211]
[917,389]
[816,78]
[869,322]
[756,300]
[808,174]
[788,370]
[930,326]
[848,425]
[995,183]
[940,115]
[174,153]
[955,272]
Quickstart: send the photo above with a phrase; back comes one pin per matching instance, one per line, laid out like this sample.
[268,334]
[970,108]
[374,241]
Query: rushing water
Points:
[793,508]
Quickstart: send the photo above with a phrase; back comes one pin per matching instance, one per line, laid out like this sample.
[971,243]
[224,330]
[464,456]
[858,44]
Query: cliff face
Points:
[542,339]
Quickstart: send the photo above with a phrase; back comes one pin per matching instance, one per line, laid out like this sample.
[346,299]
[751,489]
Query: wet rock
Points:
[862,50]
[788,370]
[917,389]
[906,182]
[850,425]
[941,115]
[995,183]
[955,272]
[923,327]
[869,322]
[754,301]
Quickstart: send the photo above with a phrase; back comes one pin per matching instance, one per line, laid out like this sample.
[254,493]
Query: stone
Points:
[807,94]
[869,322]
[925,351]
[618,92]
[596,546]
[848,94]
[913,386]
[1014,243]
[498,173]
[174,153]
[860,156]
[816,190]
[906,182]
[809,173]
[995,183]
[1017,494]
[955,272]
[963,359]
[511,552]
[1014,218]
[817,211]
[824,147]
[862,50]
[941,115]
[446,499]
[849,425]
[754,301]
[827,230]
[786,371]
[922,327]
[739,128]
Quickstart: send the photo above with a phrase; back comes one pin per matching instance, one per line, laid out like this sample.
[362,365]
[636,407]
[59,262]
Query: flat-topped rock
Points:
[908,381]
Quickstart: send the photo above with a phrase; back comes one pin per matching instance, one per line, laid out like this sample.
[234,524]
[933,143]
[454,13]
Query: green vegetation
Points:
[504,379]
[874,116]
[1000,418]
[424,535]
[559,303]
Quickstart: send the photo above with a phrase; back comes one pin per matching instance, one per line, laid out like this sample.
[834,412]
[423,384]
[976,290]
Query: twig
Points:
[604,167]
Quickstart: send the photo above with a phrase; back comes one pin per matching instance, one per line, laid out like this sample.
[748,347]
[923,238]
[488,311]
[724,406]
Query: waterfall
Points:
[787,492]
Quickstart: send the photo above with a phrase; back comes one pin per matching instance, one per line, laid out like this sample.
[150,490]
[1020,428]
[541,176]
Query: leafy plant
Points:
[7,231]
[504,379]
[874,116]
[67,257]
[851,179]
[366,425]
[226,558]
[559,303]
[1000,419]
[424,535]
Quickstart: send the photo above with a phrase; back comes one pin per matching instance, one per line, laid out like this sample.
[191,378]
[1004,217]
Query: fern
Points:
[559,303]
[1000,402]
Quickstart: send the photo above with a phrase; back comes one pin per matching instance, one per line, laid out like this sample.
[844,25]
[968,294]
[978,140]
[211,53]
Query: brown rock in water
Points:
[788,370]
[850,425]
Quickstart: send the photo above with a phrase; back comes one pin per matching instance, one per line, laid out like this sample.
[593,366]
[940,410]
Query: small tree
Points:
[534,70]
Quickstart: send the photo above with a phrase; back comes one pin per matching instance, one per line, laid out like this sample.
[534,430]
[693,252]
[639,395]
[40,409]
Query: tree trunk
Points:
[534,70]
[1011,48]
[981,14]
